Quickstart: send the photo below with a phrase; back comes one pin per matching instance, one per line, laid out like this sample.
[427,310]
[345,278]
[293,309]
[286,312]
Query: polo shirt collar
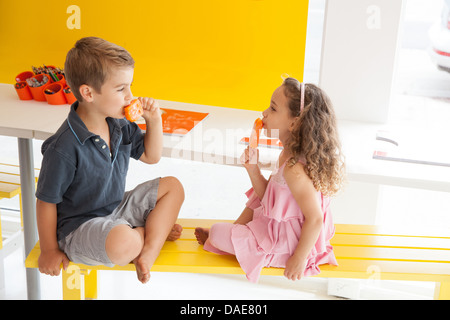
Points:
[77,125]
[80,130]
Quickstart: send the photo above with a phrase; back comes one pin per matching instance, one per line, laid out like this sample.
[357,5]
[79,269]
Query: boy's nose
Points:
[129,96]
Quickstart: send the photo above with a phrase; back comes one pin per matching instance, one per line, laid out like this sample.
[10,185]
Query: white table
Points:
[215,140]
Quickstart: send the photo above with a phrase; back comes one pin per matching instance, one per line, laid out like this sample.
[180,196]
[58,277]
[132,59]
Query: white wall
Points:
[358,56]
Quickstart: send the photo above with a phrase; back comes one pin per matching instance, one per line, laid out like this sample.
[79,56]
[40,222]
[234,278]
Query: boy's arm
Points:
[305,195]
[153,135]
[51,256]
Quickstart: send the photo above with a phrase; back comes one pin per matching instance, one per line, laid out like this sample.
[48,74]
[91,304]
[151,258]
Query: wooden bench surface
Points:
[8,190]
[364,252]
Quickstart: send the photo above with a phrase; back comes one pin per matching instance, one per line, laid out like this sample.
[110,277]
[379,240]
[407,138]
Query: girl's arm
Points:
[250,161]
[305,195]
[154,135]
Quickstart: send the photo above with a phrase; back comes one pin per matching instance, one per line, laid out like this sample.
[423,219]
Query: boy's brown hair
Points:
[91,60]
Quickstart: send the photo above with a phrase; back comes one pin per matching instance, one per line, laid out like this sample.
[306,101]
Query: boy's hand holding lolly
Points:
[148,108]
[251,154]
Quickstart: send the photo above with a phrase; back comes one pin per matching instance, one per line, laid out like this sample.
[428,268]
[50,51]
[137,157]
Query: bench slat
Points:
[8,190]
[387,270]
[392,254]
[392,231]
[391,241]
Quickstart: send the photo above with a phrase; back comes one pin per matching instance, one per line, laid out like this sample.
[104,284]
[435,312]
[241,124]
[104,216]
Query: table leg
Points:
[27,185]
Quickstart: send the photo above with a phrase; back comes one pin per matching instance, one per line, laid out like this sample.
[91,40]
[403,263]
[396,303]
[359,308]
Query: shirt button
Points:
[104,146]
[97,140]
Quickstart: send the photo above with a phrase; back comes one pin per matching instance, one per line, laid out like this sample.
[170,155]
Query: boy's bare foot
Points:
[201,234]
[175,233]
[142,269]
[145,260]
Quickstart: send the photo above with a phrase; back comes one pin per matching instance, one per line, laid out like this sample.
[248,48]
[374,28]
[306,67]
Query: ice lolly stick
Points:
[254,137]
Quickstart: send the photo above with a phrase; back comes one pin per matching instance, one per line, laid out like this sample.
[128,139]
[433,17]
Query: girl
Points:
[287,220]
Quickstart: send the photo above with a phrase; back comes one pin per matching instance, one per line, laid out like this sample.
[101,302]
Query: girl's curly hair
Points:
[315,137]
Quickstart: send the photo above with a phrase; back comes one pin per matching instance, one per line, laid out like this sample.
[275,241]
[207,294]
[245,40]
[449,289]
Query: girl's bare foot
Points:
[175,233]
[201,234]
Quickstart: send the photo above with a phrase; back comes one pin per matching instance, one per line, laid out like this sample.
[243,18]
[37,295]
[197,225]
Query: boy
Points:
[83,213]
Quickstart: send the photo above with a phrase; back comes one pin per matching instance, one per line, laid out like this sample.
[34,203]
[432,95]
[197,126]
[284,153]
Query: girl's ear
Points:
[293,122]
[86,92]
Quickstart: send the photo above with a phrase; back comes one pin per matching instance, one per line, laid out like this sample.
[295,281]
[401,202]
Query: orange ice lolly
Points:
[254,137]
[134,110]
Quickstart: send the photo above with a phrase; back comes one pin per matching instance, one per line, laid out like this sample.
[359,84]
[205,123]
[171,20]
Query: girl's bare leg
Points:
[202,234]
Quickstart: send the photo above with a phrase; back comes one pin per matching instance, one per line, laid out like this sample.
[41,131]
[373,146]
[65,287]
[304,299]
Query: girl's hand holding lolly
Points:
[254,137]
[251,153]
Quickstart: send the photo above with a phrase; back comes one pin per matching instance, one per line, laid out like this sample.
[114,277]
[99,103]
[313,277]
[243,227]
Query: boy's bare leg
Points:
[123,244]
[202,234]
[160,225]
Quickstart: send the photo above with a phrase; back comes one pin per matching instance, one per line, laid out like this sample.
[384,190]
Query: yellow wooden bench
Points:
[363,252]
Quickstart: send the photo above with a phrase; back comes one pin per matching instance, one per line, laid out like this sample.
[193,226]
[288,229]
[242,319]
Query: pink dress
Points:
[272,236]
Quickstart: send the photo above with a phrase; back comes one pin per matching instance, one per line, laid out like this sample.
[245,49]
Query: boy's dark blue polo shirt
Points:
[81,174]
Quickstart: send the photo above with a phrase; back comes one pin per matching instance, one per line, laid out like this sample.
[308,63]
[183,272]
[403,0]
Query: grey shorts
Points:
[87,243]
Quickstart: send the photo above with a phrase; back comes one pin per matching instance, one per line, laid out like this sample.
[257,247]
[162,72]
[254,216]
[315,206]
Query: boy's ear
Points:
[86,92]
